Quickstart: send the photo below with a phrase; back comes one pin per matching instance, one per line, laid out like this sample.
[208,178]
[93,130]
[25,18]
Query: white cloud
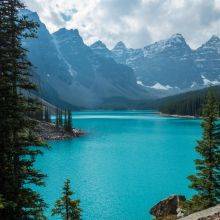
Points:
[136,22]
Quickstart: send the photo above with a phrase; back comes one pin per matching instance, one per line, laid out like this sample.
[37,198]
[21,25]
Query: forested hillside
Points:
[189,103]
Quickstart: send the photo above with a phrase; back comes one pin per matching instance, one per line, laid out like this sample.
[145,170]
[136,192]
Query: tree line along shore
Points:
[53,123]
[188,104]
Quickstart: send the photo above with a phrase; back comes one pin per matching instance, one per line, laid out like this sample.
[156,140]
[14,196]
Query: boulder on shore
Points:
[168,207]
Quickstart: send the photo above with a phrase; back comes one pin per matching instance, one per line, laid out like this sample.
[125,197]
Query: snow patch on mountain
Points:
[72,72]
[158,47]
[194,84]
[141,83]
[208,82]
[156,86]
[159,86]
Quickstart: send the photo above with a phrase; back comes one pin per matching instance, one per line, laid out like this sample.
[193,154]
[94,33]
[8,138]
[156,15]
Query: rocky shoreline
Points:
[48,131]
[208,214]
[170,208]
[179,116]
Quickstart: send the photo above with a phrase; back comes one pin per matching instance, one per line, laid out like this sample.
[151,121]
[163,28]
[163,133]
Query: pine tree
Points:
[1,203]
[16,128]
[69,121]
[65,207]
[39,113]
[47,114]
[65,119]
[207,179]
[57,118]
[61,117]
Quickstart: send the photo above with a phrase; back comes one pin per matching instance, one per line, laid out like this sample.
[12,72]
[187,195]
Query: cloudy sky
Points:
[135,22]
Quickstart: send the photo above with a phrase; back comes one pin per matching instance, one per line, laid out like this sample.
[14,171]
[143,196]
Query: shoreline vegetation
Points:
[46,131]
[61,128]
[188,104]
[179,116]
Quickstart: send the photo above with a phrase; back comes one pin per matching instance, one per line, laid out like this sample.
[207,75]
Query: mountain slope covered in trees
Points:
[189,103]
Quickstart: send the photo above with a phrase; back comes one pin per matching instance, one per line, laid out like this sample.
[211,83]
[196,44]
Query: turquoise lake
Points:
[127,162]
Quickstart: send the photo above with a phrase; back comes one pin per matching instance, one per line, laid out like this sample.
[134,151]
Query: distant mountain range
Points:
[72,73]
[169,64]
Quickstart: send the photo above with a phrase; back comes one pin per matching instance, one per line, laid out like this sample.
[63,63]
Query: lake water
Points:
[128,161]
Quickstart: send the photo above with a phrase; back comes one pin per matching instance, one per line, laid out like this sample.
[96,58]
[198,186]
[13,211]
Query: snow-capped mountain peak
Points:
[207,58]
[98,45]
[72,35]
[64,31]
[175,43]
[213,42]
[177,38]
[120,52]
[120,46]
[99,48]
[214,39]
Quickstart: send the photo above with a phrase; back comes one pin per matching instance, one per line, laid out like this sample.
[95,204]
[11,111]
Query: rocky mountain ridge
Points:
[75,72]
[171,64]
[67,68]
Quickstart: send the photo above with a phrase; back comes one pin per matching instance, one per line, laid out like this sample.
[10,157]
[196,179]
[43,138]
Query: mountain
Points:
[47,65]
[81,75]
[100,49]
[68,69]
[171,65]
[207,59]
[120,52]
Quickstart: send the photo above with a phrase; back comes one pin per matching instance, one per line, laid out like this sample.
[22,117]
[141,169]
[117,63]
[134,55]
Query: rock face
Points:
[207,60]
[171,62]
[170,65]
[167,207]
[82,76]
[100,49]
